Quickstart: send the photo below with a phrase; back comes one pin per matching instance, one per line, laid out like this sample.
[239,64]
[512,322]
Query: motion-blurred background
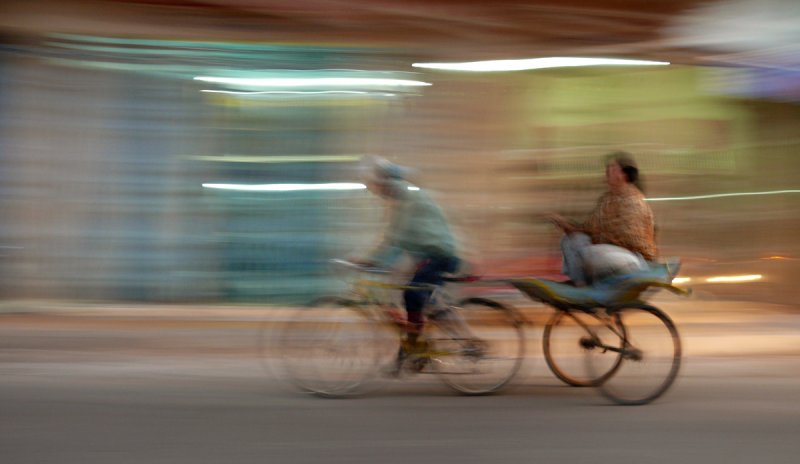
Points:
[123,177]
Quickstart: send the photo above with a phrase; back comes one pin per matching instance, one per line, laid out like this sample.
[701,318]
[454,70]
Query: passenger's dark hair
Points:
[628,165]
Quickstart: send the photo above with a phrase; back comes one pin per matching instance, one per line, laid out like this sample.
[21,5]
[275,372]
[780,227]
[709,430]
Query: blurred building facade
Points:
[106,143]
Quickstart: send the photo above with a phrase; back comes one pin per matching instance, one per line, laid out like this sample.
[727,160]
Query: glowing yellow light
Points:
[779,258]
[681,280]
[535,63]
[739,278]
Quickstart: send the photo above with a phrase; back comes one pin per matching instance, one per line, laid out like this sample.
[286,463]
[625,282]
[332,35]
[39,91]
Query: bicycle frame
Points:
[369,293]
[461,354]
[595,341]
[373,292]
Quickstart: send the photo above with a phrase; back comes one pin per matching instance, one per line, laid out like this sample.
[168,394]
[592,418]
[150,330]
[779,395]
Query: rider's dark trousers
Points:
[429,271]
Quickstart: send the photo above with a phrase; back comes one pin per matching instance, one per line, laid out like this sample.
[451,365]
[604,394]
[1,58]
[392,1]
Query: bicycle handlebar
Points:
[360,267]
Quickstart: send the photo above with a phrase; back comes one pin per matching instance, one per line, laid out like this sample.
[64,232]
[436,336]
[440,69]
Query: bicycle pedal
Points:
[415,364]
[392,372]
[476,349]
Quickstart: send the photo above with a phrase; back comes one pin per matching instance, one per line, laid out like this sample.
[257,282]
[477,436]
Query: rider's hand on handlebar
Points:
[561,222]
[363,262]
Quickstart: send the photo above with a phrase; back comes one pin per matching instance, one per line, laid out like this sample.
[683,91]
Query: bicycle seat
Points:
[611,291]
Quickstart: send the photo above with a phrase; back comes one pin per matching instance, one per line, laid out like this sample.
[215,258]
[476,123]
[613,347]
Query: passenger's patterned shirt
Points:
[624,219]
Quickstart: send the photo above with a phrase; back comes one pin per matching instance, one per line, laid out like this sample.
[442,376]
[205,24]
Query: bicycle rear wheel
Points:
[568,339]
[330,348]
[651,356]
[486,358]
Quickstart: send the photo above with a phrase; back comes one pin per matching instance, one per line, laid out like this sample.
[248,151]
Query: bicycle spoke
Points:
[330,349]
[650,357]
[488,356]
[572,340]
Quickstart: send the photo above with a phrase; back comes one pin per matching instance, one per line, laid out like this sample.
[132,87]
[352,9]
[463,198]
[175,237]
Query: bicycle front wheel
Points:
[569,338]
[651,356]
[477,346]
[330,348]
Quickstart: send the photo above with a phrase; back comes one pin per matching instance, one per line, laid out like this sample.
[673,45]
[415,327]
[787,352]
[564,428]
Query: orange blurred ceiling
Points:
[749,32]
[435,30]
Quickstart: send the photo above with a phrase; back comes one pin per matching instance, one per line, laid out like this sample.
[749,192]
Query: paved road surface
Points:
[164,387]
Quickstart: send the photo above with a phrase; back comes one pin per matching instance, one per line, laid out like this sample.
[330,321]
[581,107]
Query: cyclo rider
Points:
[418,228]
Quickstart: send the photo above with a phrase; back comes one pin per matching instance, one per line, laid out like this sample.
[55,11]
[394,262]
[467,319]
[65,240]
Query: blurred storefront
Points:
[106,144]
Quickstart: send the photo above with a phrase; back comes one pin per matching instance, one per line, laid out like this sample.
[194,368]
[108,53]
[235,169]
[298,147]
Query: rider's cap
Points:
[381,170]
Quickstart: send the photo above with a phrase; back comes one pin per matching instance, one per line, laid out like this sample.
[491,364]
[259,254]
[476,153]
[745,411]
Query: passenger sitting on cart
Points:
[618,237]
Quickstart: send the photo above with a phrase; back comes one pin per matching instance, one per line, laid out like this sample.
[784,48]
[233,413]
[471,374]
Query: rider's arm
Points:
[418,227]
[385,256]
[387,252]
[564,224]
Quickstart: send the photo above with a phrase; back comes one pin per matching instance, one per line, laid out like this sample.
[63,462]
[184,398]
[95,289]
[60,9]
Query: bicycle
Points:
[336,345]
[631,350]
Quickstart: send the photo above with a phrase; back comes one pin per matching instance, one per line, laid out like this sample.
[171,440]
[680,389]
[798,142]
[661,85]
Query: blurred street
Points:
[176,177]
[184,384]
